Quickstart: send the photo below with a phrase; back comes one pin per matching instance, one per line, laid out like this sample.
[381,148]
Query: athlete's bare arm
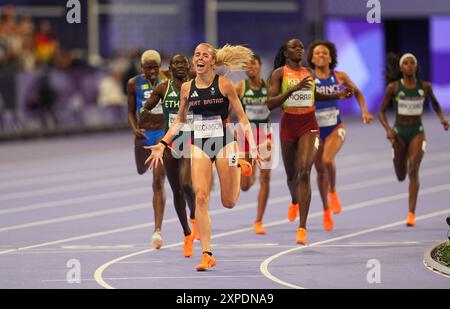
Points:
[436,106]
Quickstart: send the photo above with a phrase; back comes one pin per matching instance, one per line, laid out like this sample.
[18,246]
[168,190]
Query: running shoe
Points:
[188,249]
[157,241]
[335,204]
[259,228]
[195,229]
[292,212]
[328,222]
[206,262]
[301,237]
[411,220]
[246,168]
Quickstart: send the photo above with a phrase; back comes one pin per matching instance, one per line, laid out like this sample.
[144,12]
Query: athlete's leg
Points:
[140,155]
[399,152]
[159,195]
[201,170]
[172,167]
[186,185]
[322,179]
[229,174]
[306,154]
[332,146]
[289,154]
[415,154]
[263,195]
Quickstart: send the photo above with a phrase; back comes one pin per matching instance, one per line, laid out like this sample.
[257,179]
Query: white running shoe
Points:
[157,241]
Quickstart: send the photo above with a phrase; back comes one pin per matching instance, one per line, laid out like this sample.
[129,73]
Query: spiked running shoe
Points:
[301,237]
[206,262]
[334,202]
[157,241]
[292,212]
[259,228]
[188,249]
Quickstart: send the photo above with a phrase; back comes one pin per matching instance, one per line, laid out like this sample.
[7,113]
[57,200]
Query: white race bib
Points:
[188,126]
[157,110]
[410,107]
[257,112]
[327,117]
[300,98]
[208,127]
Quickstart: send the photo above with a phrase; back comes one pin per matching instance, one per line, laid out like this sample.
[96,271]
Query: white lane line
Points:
[164,278]
[86,185]
[88,215]
[140,206]
[264,267]
[70,177]
[77,200]
[99,272]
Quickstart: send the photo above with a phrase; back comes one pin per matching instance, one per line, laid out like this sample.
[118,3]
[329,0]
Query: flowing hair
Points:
[233,57]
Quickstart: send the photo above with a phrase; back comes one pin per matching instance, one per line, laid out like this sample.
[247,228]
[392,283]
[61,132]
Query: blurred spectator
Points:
[27,58]
[44,103]
[134,67]
[45,44]
[111,95]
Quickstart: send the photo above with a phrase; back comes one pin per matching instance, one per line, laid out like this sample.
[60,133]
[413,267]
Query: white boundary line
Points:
[264,267]
[98,275]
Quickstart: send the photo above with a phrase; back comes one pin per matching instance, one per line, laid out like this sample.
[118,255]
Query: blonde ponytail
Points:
[233,57]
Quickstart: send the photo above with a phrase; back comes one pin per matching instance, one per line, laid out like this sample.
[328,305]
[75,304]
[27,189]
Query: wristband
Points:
[164,143]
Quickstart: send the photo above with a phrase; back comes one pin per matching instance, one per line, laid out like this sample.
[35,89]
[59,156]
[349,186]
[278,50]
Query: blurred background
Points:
[59,78]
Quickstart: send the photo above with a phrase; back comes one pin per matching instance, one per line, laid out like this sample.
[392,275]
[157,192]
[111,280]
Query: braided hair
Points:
[280,58]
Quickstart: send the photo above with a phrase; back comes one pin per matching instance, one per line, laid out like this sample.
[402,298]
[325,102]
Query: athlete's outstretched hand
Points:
[367,117]
[444,123]
[156,156]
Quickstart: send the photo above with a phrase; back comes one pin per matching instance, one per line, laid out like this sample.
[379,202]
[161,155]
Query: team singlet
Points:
[409,102]
[301,101]
[254,103]
[327,112]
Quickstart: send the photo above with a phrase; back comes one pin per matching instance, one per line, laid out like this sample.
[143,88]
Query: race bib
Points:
[188,126]
[208,127]
[300,98]
[257,112]
[327,117]
[410,107]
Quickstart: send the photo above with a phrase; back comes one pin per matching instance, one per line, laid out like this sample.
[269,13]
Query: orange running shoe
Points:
[328,222]
[188,249]
[292,211]
[195,229]
[411,220]
[246,168]
[206,262]
[157,240]
[335,204]
[259,228]
[301,236]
